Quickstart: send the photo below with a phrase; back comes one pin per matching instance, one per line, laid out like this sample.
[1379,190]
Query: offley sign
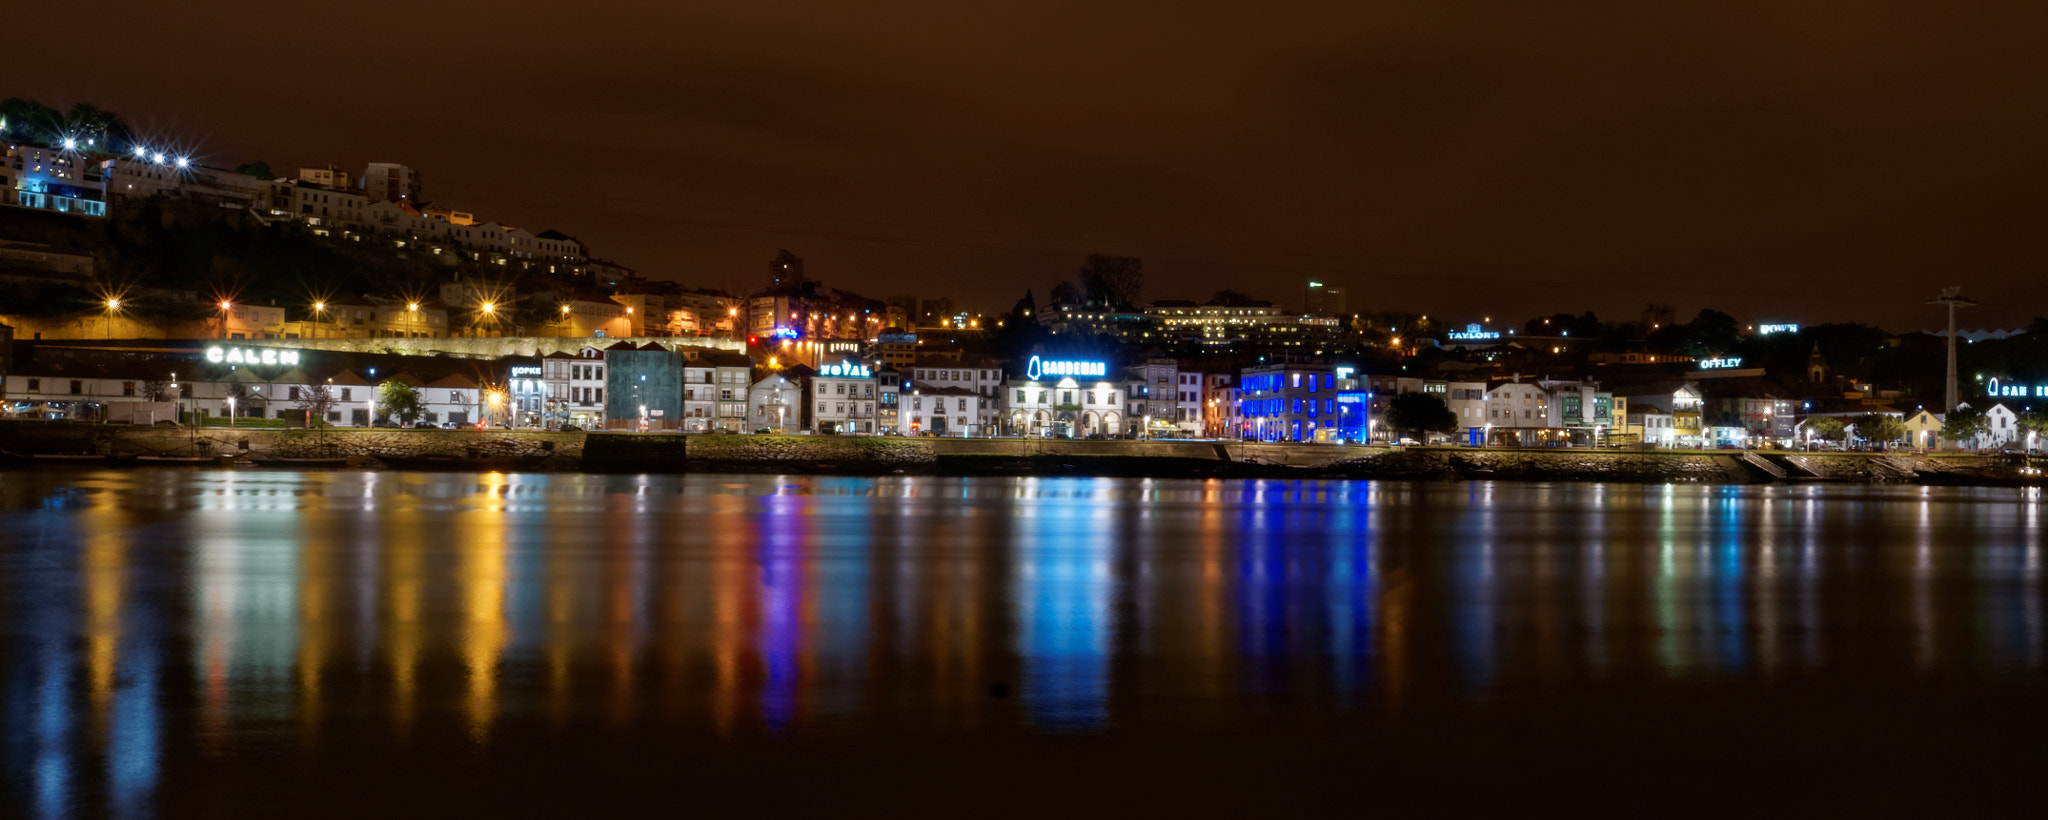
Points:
[1041,368]
[1721,364]
[251,355]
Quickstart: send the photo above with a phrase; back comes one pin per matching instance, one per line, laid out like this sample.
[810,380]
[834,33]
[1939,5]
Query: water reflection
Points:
[156,613]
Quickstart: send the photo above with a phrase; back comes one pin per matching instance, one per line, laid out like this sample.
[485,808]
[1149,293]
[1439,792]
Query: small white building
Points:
[775,404]
[938,411]
[982,379]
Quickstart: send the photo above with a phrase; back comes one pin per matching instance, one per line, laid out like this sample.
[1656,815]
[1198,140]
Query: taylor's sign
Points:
[251,355]
[1473,331]
[845,370]
[1041,368]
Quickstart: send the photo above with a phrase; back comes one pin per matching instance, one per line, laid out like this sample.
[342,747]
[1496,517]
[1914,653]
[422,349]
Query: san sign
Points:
[251,355]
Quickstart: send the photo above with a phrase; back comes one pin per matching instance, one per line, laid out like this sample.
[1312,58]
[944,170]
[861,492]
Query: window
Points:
[347,393]
[821,407]
[293,394]
[127,388]
[35,385]
[1020,393]
[962,406]
[597,394]
[77,387]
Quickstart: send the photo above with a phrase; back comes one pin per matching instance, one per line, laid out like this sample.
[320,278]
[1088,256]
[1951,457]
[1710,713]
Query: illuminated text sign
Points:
[845,371]
[1473,331]
[1720,364]
[1039,368]
[251,355]
[1998,389]
[524,370]
[1765,330]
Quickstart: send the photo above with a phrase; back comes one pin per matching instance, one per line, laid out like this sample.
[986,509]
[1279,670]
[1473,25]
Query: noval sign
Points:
[1473,331]
[1039,369]
[241,355]
[845,370]
[1718,364]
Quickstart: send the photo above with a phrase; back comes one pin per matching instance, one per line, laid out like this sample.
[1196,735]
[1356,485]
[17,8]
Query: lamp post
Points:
[490,312]
[113,307]
[225,306]
[412,312]
[319,309]
[231,412]
[562,328]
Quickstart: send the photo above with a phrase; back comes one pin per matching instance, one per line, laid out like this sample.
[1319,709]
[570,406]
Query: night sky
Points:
[1807,162]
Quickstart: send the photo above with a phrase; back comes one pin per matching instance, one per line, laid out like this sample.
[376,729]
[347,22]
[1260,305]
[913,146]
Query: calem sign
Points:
[1041,368]
[251,355]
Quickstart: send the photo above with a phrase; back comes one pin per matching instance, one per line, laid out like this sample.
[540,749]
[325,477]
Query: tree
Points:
[1827,428]
[1879,429]
[1965,423]
[29,120]
[317,400]
[1420,413]
[258,169]
[156,388]
[1112,281]
[396,398]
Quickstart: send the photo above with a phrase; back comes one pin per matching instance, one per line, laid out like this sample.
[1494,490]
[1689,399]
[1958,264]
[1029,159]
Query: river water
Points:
[248,643]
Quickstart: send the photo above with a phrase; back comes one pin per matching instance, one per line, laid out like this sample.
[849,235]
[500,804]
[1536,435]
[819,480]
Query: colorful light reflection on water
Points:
[159,613]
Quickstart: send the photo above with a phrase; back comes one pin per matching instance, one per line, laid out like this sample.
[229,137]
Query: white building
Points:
[939,411]
[1188,403]
[575,387]
[1063,408]
[775,404]
[983,379]
[844,398]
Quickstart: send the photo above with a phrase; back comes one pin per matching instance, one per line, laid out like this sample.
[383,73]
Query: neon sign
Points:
[1038,369]
[524,370]
[1766,330]
[1721,364]
[1996,389]
[845,371]
[241,355]
[785,333]
[1473,331]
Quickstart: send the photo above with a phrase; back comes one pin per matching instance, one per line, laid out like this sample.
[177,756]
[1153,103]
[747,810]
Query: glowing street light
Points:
[113,307]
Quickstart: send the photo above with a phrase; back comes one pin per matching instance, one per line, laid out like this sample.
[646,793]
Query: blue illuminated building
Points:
[1291,402]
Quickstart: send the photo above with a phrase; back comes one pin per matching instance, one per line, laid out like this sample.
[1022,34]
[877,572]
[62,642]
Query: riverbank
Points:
[540,451]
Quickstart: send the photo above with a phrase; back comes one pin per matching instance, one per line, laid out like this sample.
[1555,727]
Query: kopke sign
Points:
[1038,369]
[240,355]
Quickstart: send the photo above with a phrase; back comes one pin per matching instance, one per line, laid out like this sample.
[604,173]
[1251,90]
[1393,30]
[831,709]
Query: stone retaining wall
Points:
[642,452]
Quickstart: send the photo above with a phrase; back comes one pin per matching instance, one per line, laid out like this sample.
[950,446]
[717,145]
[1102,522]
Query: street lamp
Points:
[231,412]
[113,307]
[412,312]
[225,306]
[319,309]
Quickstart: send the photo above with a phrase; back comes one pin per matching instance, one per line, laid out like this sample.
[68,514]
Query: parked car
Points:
[569,428]
[424,425]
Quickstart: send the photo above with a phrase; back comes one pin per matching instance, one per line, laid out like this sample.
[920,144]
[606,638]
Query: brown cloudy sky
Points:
[1814,161]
